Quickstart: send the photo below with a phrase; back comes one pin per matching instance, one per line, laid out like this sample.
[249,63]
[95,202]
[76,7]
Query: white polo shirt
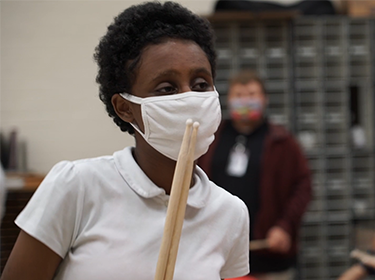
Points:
[105,218]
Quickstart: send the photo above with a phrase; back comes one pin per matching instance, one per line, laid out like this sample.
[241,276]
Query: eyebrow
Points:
[202,70]
[165,73]
[199,70]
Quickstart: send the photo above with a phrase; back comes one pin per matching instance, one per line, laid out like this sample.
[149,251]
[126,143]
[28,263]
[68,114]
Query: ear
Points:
[123,108]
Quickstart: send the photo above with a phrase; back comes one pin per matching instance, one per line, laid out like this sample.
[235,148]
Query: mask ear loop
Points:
[139,101]
[132,98]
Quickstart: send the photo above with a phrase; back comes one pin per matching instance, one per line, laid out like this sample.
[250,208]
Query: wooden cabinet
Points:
[15,202]
[21,187]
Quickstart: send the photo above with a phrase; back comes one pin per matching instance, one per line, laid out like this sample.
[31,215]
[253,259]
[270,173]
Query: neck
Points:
[246,126]
[158,168]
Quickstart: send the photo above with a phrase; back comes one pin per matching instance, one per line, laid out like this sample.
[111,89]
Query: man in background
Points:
[262,164]
[2,195]
[2,192]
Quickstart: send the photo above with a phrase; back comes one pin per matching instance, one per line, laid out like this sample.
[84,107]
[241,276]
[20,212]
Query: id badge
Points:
[238,160]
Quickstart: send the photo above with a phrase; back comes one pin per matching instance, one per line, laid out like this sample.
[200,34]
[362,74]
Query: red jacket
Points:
[285,184]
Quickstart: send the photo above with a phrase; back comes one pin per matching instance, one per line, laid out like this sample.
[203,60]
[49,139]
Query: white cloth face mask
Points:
[164,118]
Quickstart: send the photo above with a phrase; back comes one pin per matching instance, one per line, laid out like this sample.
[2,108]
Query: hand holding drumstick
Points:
[278,240]
[363,257]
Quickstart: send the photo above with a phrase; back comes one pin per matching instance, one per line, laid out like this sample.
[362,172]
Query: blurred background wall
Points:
[48,89]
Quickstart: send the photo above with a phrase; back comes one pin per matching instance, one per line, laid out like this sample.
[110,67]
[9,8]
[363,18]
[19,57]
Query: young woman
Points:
[103,218]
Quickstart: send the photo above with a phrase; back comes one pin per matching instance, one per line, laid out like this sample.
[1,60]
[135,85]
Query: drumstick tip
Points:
[189,121]
[196,124]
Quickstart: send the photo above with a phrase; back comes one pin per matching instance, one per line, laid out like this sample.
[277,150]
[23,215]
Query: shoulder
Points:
[217,197]
[69,175]
[279,132]
[229,203]
[281,135]
[82,166]
[93,166]
[222,194]
[232,215]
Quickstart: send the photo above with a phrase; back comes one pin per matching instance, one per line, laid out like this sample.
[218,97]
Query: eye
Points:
[201,85]
[166,88]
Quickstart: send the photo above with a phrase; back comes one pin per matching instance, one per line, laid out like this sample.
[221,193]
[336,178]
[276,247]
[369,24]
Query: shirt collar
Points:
[143,186]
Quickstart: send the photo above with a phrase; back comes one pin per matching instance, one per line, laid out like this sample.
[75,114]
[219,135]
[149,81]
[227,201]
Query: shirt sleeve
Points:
[237,263]
[53,213]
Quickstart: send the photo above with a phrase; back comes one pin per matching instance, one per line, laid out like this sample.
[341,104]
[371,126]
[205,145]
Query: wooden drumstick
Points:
[178,184]
[182,205]
[258,245]
[363,257]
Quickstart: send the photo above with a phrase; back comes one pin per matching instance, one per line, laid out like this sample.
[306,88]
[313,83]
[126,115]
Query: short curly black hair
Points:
[120,49]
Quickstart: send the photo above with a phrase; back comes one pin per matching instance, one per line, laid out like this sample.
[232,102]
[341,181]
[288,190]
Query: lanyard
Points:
[238,158]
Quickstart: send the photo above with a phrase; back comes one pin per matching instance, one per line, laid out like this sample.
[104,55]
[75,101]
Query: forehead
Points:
[176,54]
[250,87]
